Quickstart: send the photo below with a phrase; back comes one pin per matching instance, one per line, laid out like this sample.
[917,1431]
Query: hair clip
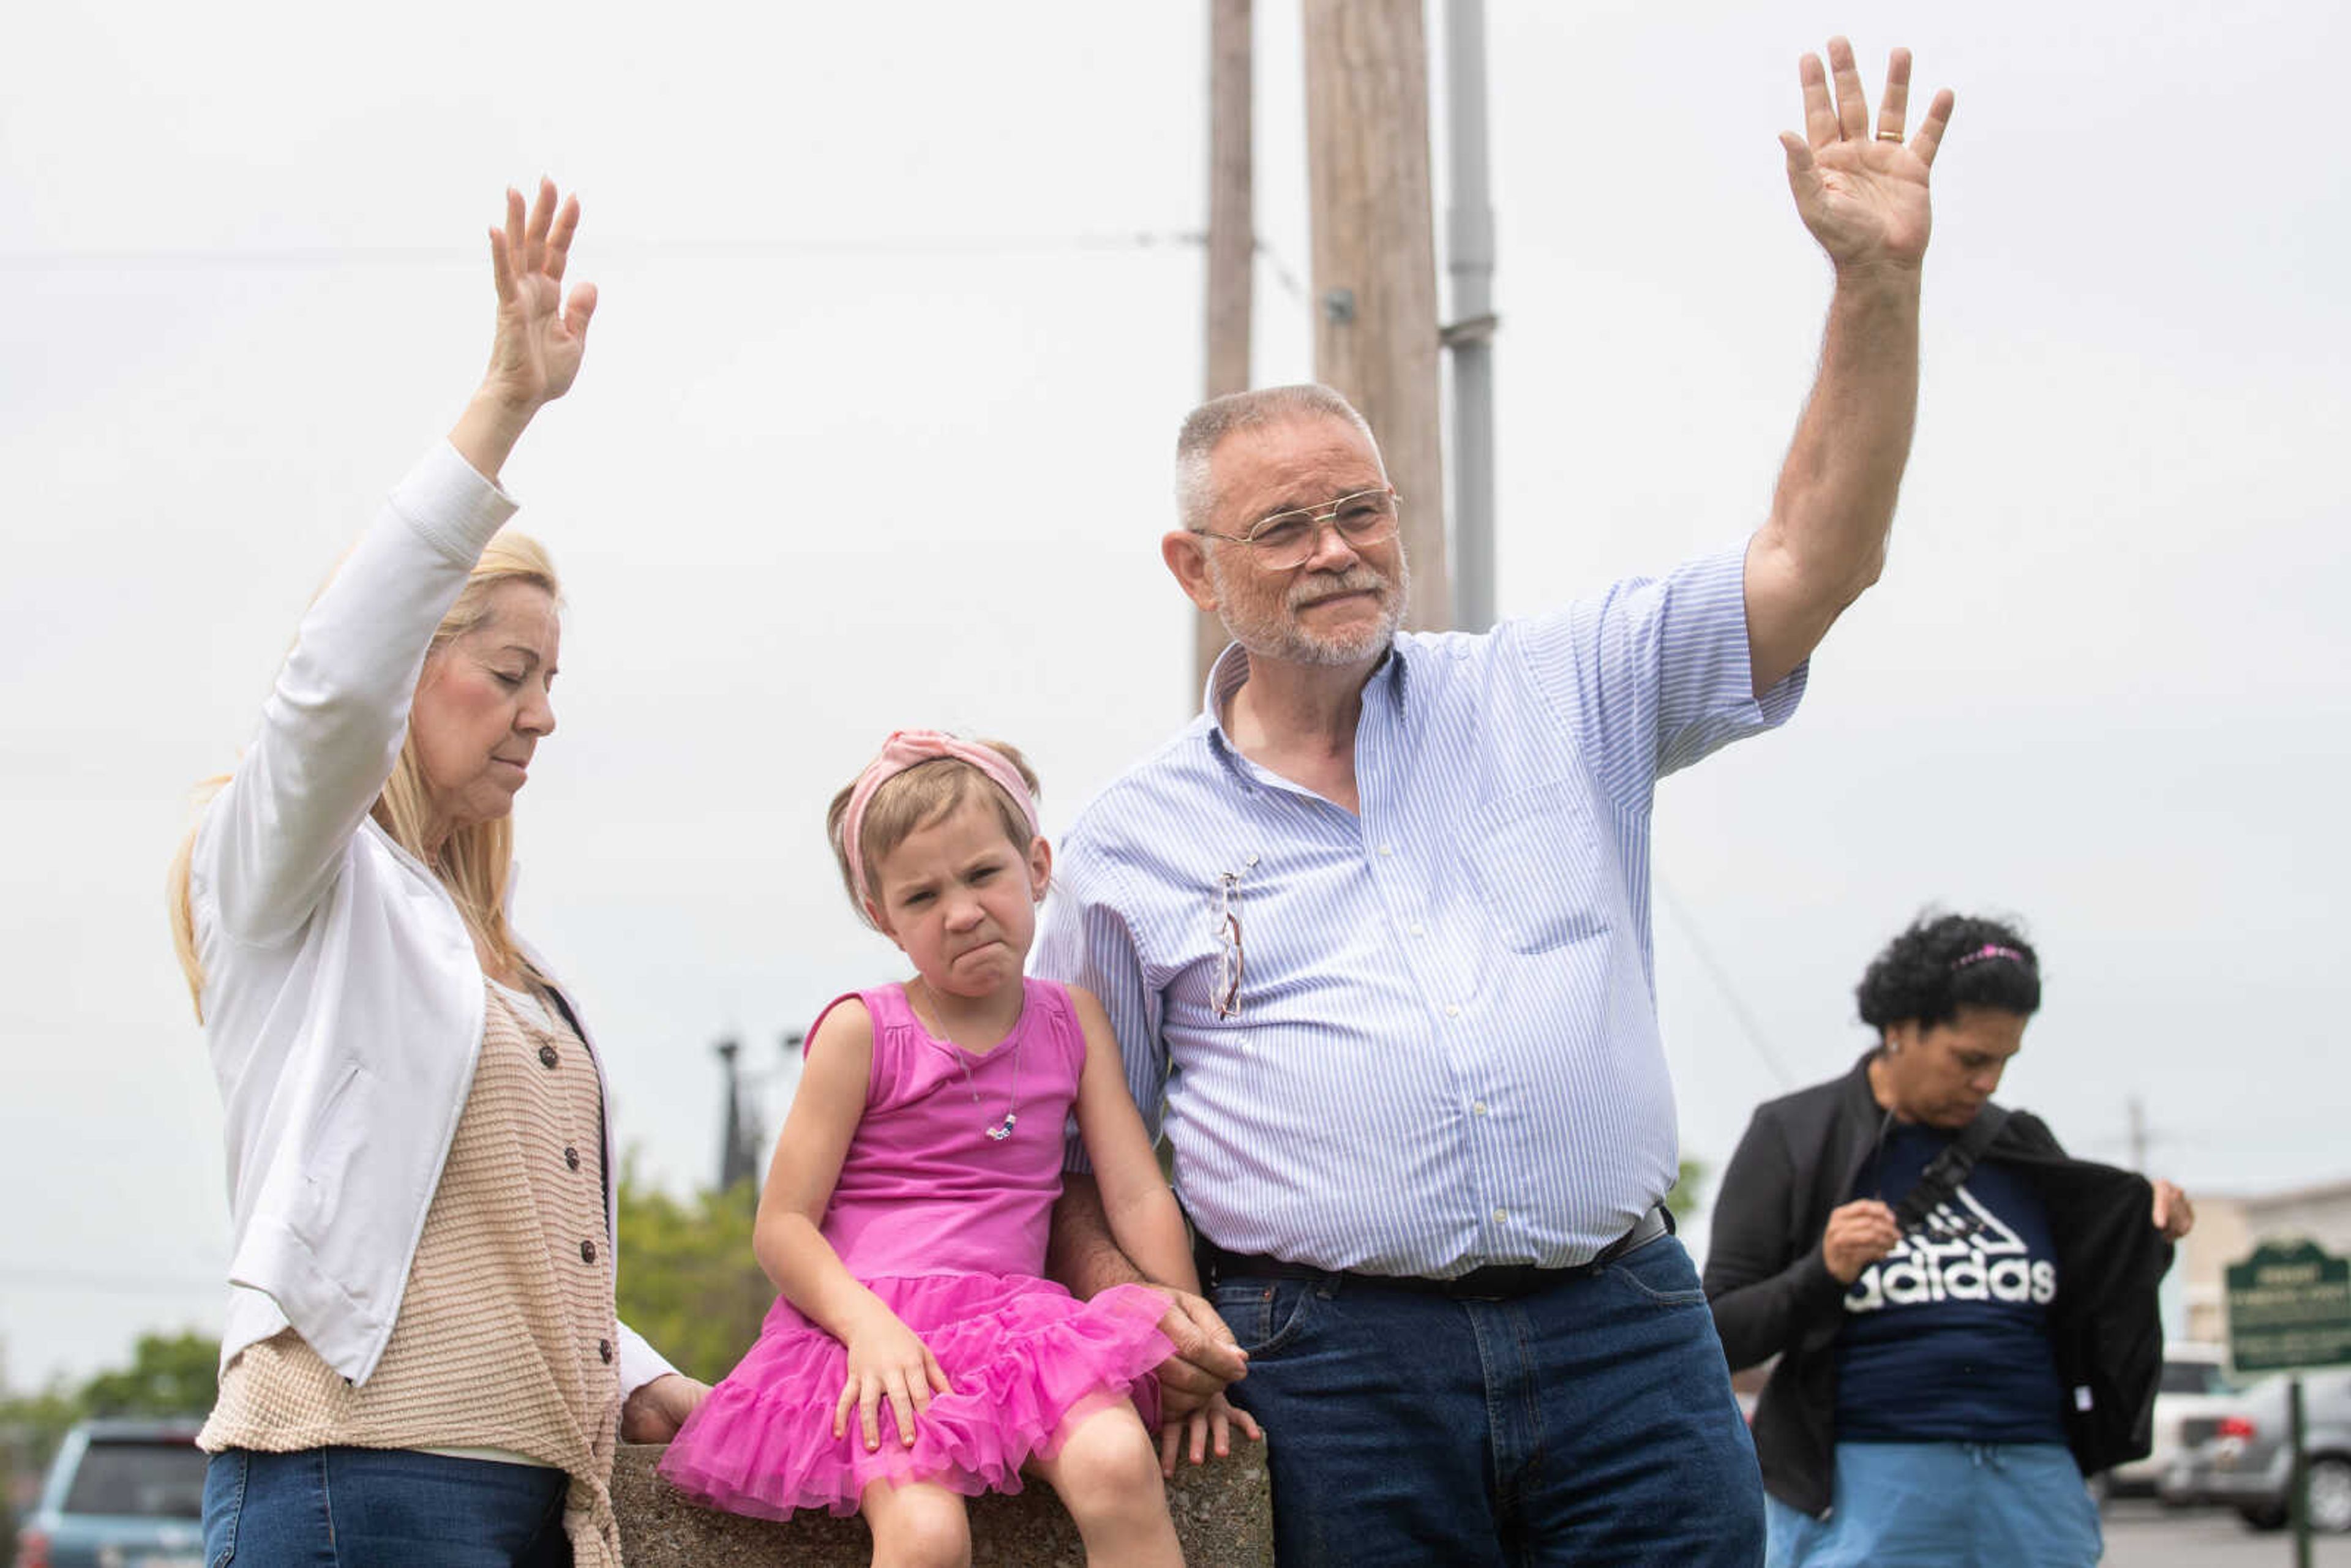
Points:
[1989,950]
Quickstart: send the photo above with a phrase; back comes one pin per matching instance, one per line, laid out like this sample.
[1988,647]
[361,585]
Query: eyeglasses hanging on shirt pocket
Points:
[1226,906]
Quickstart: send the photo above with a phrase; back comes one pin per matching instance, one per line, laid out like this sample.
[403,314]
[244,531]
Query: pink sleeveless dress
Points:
[948,1226]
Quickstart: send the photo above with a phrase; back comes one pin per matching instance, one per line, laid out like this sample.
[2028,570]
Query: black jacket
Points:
[1773,1294]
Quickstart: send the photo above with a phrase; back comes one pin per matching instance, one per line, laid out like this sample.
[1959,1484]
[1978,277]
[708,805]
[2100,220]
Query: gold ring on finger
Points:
[1889,136]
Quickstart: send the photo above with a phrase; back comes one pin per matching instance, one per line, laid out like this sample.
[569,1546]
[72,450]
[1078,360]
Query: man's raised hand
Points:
[1861,189]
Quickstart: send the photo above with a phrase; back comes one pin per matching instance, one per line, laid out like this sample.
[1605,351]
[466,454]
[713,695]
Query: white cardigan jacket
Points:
[342,997]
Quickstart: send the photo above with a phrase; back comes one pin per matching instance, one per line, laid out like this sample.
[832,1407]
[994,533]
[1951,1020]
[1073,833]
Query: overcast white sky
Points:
[896,329]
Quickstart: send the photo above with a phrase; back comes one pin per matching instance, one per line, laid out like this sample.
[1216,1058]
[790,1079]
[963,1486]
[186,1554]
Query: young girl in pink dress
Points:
[915,1357]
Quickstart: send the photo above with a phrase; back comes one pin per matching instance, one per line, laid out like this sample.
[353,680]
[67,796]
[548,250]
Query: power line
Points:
[1282,273]
[255,258]
[119,1284]
[1749,1025]
[866,247]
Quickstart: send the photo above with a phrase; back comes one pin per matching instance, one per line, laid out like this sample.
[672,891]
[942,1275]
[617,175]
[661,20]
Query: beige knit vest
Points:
[506,1338]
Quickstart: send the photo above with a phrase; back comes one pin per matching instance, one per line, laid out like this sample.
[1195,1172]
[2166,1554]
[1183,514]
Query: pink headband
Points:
[910,748]
[1989,950]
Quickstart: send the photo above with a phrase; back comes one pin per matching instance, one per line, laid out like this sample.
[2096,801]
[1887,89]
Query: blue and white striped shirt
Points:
[1447,1051]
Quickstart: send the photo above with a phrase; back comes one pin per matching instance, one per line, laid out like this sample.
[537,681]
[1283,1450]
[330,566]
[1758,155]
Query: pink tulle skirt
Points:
[1024,1357]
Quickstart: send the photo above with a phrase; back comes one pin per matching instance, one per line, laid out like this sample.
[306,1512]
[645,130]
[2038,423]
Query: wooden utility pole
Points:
[1375,333]
[1232,242]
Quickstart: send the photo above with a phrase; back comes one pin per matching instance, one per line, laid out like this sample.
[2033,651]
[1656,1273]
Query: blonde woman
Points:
[421,1360]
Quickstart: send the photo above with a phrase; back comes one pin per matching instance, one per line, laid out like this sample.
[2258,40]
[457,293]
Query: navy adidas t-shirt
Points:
[1946,1338]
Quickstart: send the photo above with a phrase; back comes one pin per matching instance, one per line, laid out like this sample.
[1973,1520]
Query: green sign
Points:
[2289,1305]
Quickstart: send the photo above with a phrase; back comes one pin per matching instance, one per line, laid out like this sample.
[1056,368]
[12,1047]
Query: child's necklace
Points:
[997,1131]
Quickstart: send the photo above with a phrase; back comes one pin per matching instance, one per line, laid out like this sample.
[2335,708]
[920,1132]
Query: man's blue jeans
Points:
[381,1508]
[1589,1423]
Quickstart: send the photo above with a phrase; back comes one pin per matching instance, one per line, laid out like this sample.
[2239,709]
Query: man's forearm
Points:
[1834,500]
[1833,505]
[1081,1253]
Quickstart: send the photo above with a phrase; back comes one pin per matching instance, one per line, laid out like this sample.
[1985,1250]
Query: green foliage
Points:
[1689,1191]
[176,1376]
[688,1281]
[34,1424]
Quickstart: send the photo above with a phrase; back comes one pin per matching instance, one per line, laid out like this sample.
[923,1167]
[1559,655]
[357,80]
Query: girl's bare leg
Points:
[1107,1473]
[916,1526]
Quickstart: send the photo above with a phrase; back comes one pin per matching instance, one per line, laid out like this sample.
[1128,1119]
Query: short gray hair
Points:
[1205,427]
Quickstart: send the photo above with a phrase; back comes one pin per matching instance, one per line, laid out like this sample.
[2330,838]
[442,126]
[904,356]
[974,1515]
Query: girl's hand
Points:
[1211,1424]
[886,1359]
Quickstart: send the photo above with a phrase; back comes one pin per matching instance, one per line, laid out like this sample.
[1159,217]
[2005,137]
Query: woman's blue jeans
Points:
[1589,1423]
[1946,1505]
[381,1508]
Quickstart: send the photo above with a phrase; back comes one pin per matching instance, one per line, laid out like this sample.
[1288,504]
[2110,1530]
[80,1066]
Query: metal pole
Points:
[2298,1478]
[734,1161]
[1469,258]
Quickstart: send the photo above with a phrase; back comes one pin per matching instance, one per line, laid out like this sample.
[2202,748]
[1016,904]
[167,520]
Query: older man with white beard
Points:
[1373,932]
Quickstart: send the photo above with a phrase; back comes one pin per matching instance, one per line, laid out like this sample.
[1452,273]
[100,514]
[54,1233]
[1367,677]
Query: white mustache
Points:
[1357,579]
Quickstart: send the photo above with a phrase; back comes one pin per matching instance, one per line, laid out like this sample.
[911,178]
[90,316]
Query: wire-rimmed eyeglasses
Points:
[1227,998]
[1280,540]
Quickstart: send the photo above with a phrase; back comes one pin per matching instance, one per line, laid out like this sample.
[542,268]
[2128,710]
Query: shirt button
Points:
[604,1351]
[546,1057]
[1501,1216]
[1453,1009]
[571,1159]
[1477,1107]
[1419,929]
[587,1252]
[1387,850]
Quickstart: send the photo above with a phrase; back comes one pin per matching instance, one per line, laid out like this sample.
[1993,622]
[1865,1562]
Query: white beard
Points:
[1279,635]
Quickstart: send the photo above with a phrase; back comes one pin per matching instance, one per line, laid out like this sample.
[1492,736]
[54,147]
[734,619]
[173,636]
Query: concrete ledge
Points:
[1223,1511]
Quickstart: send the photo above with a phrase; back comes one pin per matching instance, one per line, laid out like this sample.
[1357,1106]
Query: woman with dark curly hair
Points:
[1964,1317]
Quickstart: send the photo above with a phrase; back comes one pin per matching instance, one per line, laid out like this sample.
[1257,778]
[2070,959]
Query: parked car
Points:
[2242,1461]
[120,1494]
[2194,1384]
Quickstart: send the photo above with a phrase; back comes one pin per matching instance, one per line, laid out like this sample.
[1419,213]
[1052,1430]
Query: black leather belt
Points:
[1495,1282]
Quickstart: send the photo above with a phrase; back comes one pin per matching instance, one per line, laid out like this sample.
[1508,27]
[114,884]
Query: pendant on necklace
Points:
[1003,1129]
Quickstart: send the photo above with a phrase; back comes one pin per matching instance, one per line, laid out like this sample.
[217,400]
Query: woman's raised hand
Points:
[2173,1214]
[541,335]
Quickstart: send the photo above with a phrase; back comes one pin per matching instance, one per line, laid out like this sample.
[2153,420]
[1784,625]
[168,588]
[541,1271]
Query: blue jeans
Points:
[1945,1505]
[381,1508]
[1589,1423]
